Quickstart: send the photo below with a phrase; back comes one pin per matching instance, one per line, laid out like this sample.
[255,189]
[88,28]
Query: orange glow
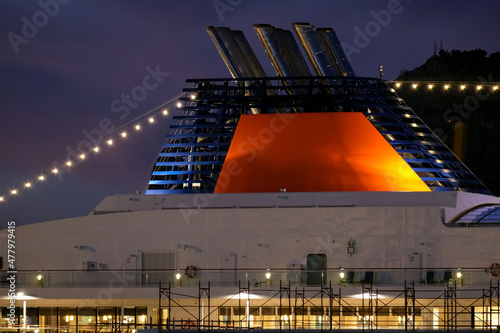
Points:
[311,152]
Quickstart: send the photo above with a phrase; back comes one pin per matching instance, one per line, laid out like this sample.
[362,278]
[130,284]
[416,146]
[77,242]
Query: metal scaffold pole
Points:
[410,305]
[201,316]
[450,307]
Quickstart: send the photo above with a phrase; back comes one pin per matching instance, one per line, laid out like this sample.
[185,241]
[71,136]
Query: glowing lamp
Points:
[165,112]
[151,120]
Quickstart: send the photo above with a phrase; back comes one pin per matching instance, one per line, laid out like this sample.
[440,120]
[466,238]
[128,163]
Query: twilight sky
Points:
[64,66]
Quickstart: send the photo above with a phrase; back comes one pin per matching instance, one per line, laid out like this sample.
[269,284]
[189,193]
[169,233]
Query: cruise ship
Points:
[312,199]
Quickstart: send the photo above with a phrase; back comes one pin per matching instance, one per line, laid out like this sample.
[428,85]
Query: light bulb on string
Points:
[109,142]
[151,120]
[41,178]
[96,149]
[13,192]
[124,134]
[137,127]
[165,112]
[27,185]
[55,171]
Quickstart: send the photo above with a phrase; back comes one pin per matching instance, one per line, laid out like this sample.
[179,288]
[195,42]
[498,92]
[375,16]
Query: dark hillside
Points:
[442,109]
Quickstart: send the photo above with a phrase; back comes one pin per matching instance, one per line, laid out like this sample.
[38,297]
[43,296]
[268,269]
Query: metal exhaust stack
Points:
[230,52]
[316,50]
[285,56]
[282,50]
[341,62]
[238,56]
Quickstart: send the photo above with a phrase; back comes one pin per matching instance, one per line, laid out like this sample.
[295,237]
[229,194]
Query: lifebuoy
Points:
[495,269]
[190,271]
[189,324]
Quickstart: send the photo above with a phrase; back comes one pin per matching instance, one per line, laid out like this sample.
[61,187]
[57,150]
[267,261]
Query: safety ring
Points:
[190,271]
[495,269]
[189,324]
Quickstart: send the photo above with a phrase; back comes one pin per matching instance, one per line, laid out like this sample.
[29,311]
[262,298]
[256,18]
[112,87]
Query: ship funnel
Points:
[316,50]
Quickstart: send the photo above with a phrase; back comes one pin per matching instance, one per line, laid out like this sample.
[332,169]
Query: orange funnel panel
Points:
[311,152]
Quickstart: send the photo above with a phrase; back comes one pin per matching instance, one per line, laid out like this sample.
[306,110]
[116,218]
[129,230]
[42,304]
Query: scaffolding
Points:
[325,308]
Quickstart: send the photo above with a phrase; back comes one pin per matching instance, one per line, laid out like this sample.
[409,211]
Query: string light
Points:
[193,97]
[431,85]
[179,105]
[136,123]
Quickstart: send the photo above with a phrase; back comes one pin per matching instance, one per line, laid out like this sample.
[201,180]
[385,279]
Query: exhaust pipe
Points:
[316,50]
[341,63]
